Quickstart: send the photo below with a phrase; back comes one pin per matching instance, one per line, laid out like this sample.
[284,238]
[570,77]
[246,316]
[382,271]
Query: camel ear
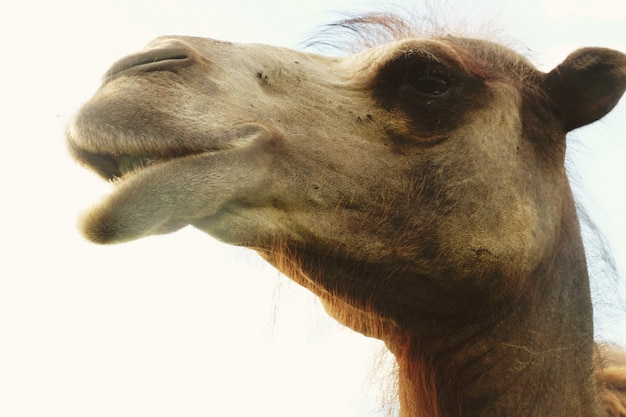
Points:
[587,85]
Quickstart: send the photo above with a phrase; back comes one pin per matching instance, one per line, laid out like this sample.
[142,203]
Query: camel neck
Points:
[516,378]
[535,359]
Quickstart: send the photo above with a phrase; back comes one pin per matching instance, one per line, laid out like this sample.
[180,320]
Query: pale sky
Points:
[181,324]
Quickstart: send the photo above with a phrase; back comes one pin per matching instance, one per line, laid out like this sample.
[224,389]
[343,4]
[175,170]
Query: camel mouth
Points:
[159,188]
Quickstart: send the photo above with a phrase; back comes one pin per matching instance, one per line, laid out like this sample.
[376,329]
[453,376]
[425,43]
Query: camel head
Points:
[397,181]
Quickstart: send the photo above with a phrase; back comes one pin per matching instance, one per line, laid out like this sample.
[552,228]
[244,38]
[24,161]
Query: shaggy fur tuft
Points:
[611,379]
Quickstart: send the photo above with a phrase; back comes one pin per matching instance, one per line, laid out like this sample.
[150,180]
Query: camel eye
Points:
[431,85]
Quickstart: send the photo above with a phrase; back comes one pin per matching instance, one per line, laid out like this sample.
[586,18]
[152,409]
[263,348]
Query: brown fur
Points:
[416,187]
[611,379]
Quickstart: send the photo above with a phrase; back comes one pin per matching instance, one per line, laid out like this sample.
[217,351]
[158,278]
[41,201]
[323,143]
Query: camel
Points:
[416,186]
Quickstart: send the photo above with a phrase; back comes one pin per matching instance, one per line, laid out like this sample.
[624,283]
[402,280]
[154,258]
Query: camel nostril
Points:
[158,59]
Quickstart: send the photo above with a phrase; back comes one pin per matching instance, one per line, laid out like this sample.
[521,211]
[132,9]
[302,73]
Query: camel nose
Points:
[167,58]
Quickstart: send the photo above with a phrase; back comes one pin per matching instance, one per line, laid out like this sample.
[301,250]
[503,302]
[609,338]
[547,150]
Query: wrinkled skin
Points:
[417,188]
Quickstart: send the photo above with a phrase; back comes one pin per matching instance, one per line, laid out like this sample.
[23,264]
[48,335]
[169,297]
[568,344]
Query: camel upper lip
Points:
[112,159]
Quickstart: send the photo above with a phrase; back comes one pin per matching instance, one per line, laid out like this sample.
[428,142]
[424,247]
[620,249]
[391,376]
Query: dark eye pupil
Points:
[431,85]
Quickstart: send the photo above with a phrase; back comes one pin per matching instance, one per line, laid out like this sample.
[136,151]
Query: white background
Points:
[181,324]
